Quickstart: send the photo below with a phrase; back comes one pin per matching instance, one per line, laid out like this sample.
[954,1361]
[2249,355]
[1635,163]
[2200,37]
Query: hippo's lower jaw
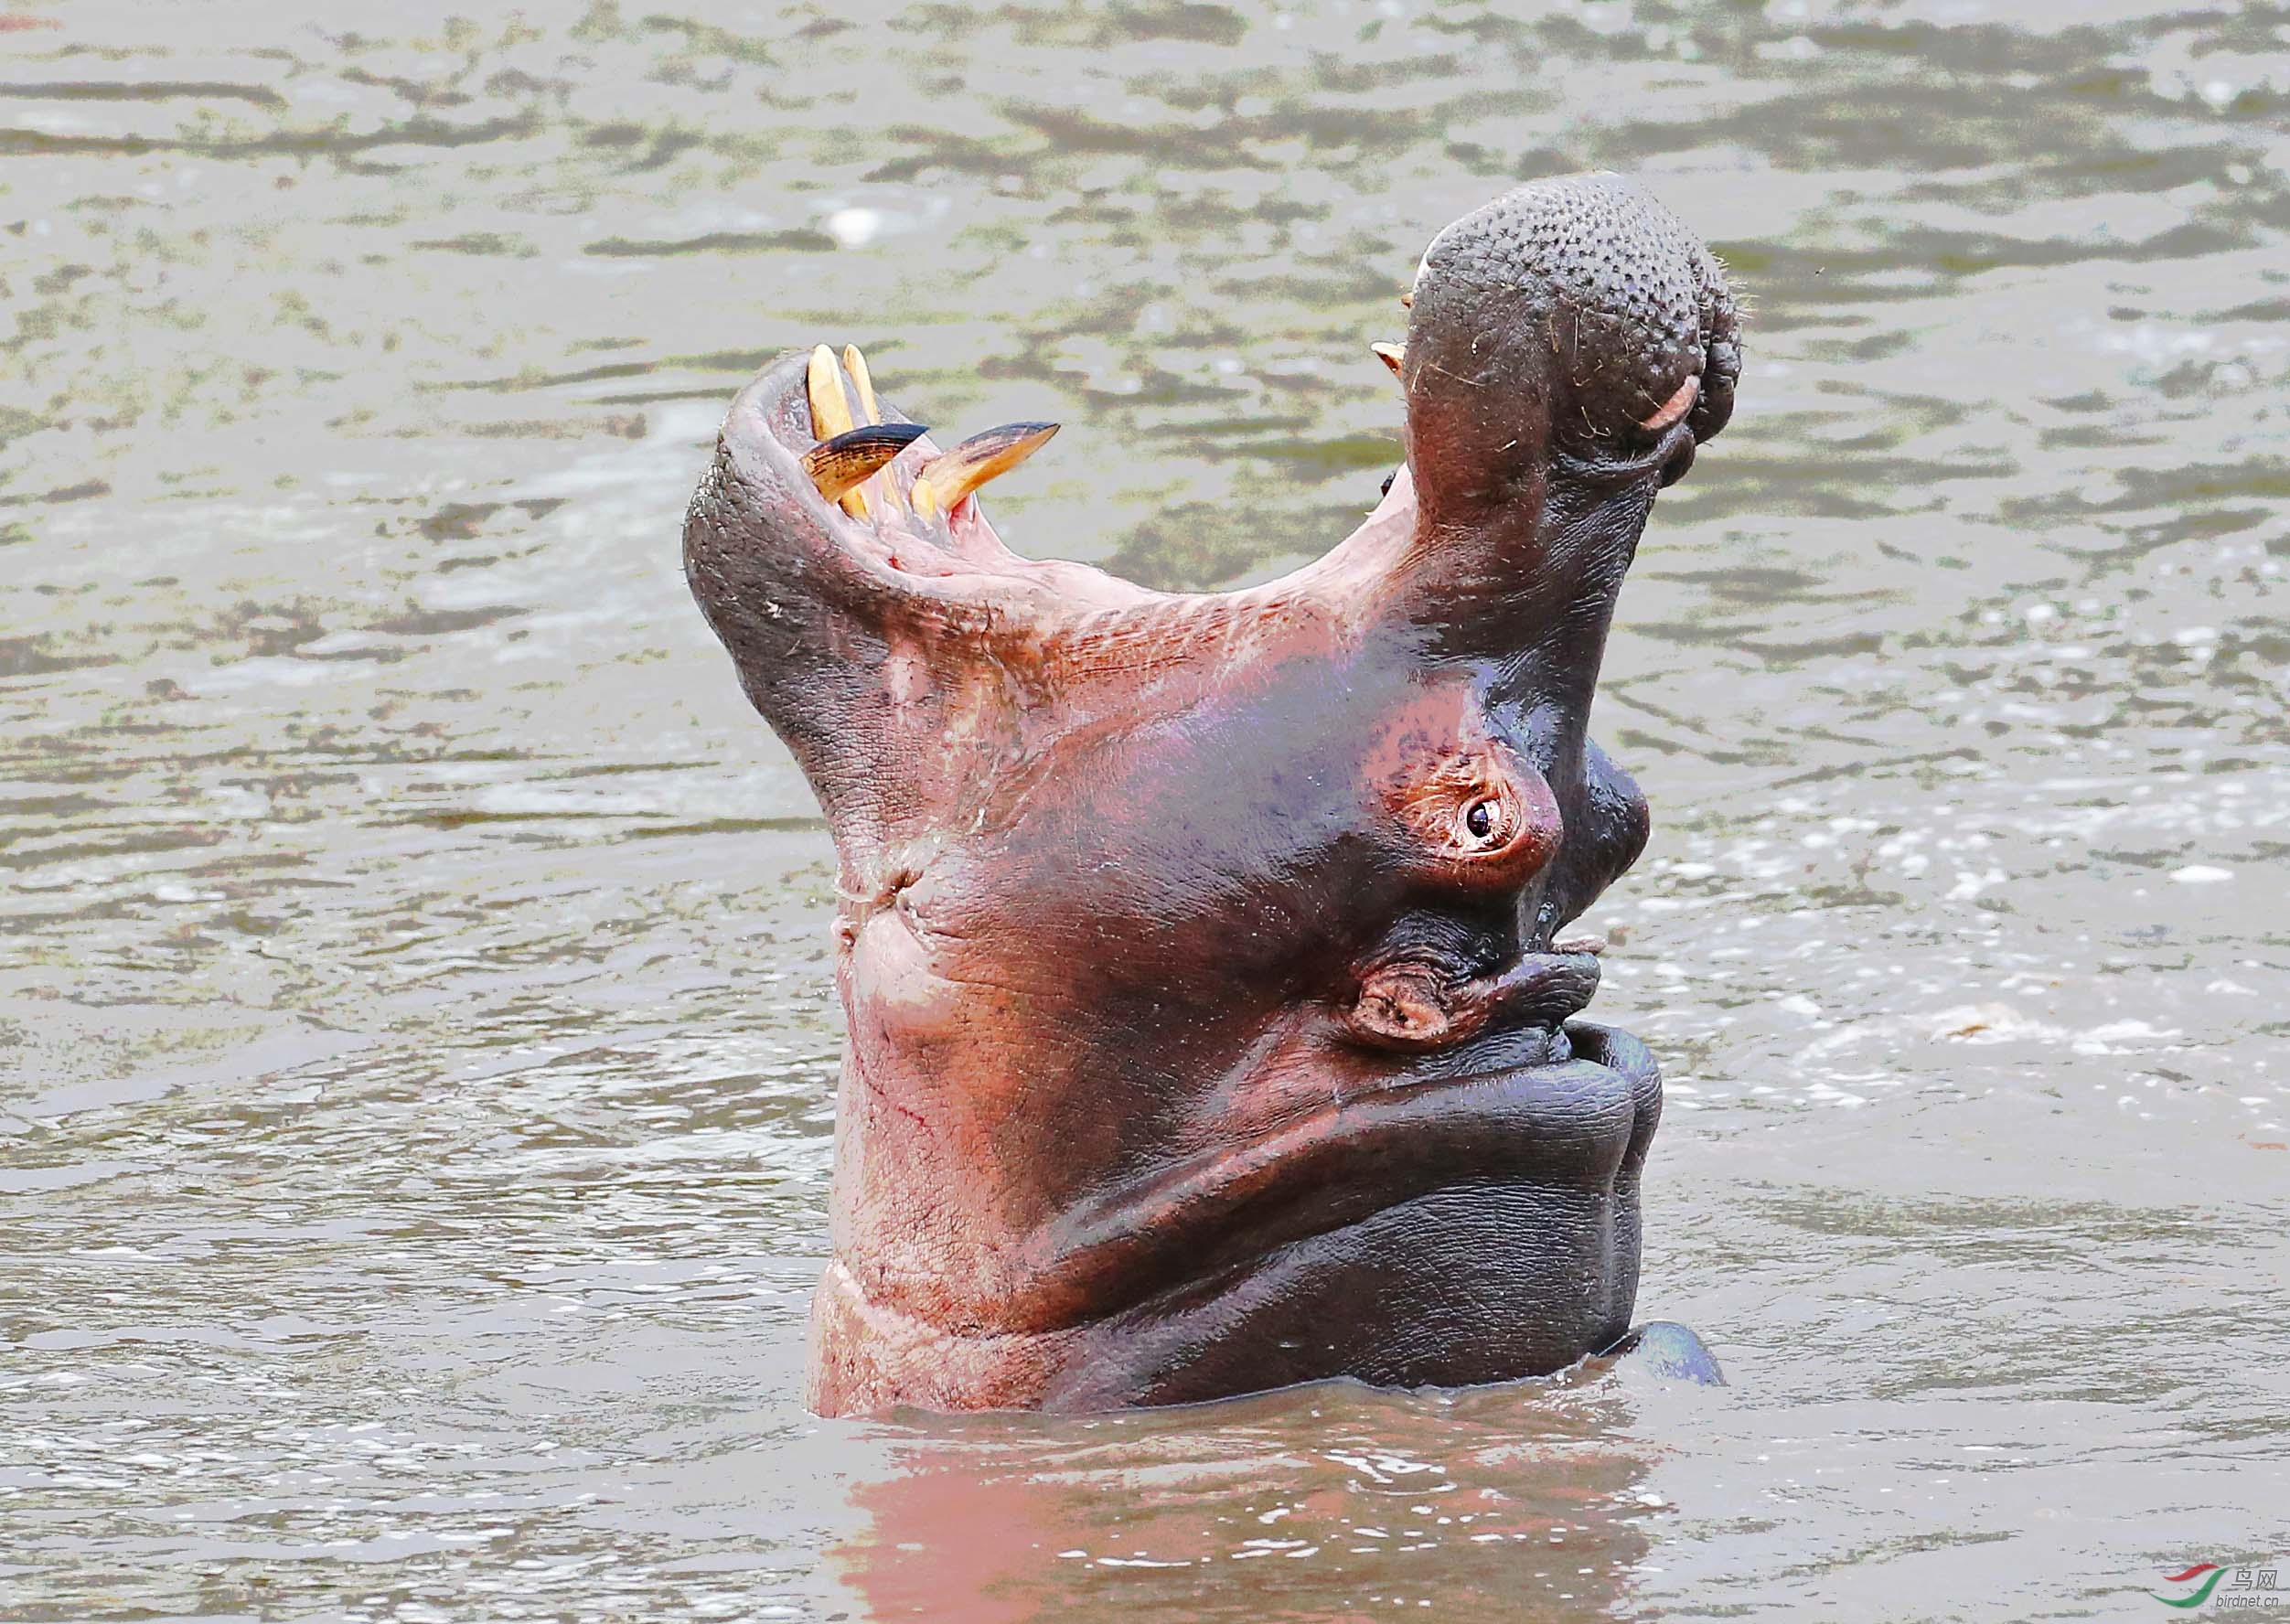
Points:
[1450,1232]
[1207,1031]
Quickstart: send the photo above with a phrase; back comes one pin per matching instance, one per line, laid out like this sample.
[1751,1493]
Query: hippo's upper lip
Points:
[1518,1105]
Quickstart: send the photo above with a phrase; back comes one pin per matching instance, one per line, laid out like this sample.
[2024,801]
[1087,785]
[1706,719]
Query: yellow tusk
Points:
[830,410]
[830,414]
[856,456]
[944,482]
[1394,355]
[870,411]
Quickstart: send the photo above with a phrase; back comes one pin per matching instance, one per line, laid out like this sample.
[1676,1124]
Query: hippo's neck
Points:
[867,1356]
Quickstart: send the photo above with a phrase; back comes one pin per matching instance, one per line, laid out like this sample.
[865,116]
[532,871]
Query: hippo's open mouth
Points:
[1207,1030]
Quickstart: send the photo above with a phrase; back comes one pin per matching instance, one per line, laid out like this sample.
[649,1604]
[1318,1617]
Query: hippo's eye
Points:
[1479,818]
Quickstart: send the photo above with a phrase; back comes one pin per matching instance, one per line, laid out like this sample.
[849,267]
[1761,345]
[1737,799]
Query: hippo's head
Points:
[1208,1027]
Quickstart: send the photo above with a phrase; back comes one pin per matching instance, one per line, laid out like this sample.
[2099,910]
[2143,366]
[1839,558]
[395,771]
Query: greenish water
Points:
[416,1042]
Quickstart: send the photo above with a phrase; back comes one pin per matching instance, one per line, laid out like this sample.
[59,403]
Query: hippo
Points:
[1212,1027]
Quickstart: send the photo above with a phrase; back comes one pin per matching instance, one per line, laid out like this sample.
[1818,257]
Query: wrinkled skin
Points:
[1206,1032]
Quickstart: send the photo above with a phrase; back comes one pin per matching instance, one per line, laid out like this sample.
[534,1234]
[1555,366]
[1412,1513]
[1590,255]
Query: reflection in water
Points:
[416,1044]
[1334,1502]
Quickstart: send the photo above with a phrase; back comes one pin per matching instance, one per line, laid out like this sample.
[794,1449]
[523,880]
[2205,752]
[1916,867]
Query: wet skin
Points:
[1210,1027]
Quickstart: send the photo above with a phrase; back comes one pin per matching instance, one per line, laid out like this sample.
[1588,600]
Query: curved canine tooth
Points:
[840,465]
[855,363]
[830,414]
[1394,355]
[982,457]
[1675,407]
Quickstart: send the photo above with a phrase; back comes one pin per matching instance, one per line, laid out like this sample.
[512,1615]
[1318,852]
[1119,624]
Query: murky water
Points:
[415,1034]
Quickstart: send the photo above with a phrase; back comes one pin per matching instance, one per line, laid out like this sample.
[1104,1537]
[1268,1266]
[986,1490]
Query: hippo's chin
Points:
[1456,1229]
[1446,1233]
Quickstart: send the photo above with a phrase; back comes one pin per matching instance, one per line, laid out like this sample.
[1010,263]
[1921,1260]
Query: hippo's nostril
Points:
[1720,369]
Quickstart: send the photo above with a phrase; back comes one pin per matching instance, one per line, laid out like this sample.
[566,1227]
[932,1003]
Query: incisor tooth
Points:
[1394,355]
[982,457]
[830,414]
[831,410]
[864,383]
[870,411]
[854,457]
